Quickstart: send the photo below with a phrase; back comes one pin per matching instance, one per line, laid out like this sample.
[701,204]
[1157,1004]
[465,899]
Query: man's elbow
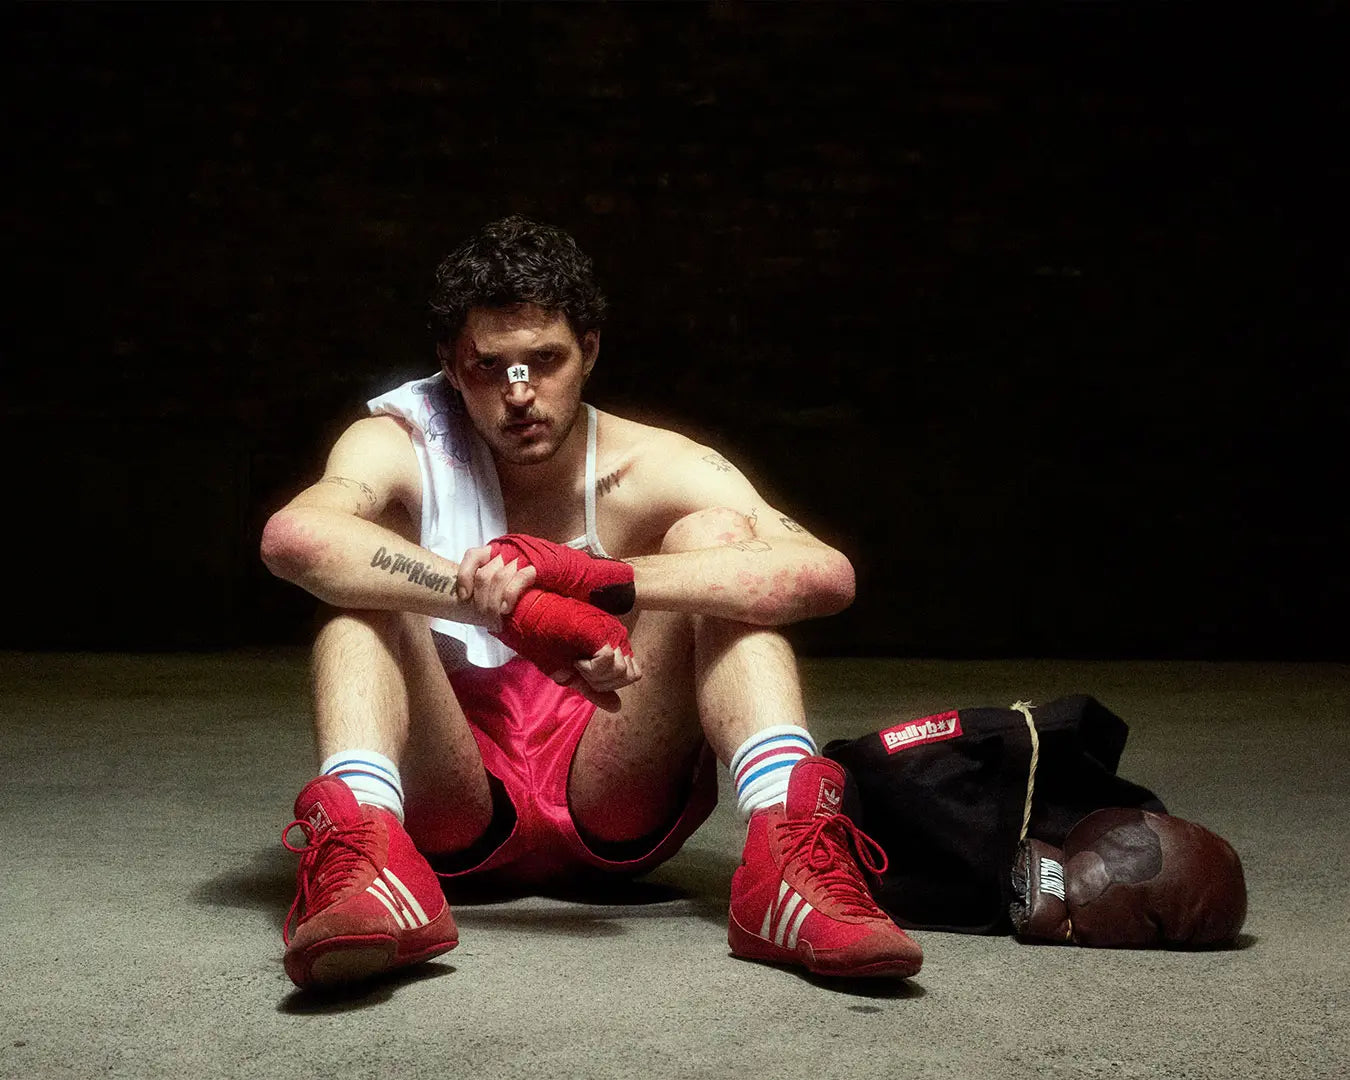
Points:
[835,586]
[824,586]
[289,547]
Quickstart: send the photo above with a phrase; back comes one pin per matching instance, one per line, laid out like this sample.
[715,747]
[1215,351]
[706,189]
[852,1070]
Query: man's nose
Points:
[519,394]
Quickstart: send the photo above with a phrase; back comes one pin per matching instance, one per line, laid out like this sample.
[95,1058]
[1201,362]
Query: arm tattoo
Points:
[419,573]
[791,525]
[718,462]
[753,517]
[366,490]
[606,484]
[754,547]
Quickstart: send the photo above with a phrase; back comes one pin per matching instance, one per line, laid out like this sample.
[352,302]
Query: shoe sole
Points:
[338,961]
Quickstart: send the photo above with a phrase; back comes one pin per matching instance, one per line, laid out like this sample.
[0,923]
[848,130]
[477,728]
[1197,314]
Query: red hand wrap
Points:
[553,632]
[606,583]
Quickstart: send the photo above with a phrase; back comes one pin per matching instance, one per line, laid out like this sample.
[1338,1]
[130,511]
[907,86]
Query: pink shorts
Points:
[527,728]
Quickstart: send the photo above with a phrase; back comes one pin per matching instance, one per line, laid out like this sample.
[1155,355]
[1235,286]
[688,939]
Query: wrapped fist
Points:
[605,583]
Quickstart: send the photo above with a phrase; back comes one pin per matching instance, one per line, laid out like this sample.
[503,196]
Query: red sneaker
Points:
[799,896]
[367,901]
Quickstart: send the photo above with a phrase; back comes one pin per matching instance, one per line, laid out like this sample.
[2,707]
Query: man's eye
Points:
[487,364]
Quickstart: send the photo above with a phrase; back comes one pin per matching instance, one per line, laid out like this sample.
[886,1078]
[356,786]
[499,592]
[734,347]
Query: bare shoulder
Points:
[652,477]
[371,467]
[663,475]
[650,455]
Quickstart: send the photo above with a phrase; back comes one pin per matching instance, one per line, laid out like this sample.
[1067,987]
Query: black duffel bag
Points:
[946,796]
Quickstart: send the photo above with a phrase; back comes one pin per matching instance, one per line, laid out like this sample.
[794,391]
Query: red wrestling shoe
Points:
[799,896]
[367,901]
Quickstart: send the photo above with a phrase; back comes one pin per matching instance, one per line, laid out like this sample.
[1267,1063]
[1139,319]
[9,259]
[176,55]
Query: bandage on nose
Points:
[518,373]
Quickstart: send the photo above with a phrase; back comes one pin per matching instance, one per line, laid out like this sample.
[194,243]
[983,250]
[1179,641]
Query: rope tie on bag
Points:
[1025,707]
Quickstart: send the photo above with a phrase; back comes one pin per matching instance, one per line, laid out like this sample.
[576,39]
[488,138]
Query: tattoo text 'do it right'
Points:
[416,571]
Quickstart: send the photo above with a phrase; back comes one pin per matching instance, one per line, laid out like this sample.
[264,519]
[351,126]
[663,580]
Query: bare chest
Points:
[624,522]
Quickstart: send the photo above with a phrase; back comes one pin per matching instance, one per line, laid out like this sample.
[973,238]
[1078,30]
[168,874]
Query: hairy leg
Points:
[379,685]
[702,678]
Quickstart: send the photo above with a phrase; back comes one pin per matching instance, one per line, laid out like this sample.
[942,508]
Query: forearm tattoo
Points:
[791,525]
[367,492]
[718,462]
[416,571]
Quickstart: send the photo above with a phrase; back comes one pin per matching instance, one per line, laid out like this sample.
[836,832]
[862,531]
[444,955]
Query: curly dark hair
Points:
[516,261]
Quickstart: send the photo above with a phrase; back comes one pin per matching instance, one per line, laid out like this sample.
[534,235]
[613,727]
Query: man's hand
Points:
[606,583]
[599,678]
[572,643]
[494,586]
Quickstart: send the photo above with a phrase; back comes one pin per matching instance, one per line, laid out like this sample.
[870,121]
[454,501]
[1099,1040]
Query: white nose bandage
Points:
[518,373]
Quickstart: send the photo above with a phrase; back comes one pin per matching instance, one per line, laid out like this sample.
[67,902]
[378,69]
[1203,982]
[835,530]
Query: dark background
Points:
[1035,311]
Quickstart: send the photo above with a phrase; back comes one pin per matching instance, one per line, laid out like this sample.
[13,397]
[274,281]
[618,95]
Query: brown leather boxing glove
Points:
[1133,878]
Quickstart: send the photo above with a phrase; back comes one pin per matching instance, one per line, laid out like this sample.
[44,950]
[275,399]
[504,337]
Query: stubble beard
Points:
[510,449]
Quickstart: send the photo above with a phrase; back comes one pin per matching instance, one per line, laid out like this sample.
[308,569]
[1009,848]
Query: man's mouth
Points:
[529,426]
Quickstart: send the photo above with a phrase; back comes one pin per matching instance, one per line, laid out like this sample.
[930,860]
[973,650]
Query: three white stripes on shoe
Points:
[784,917]
[394,895]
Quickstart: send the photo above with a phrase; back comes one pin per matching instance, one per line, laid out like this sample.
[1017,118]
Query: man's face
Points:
[523,423]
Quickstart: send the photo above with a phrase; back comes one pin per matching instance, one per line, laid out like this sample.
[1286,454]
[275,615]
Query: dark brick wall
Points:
[1036,311]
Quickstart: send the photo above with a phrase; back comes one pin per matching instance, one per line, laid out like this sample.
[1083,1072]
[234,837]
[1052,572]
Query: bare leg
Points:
[379,685]
[702,678]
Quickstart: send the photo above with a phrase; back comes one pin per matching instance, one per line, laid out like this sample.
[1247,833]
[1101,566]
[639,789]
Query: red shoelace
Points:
[828,845]
[328,862]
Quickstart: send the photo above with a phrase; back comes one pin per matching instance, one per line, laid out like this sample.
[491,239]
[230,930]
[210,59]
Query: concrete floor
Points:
[145,885]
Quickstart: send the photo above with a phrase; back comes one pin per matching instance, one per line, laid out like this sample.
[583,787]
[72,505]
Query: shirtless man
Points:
[487,506]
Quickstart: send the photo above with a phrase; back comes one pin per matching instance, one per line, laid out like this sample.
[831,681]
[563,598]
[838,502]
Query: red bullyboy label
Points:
[926,729]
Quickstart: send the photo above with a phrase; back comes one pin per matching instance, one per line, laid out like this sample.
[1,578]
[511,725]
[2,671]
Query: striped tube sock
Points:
[761,766]
[373,778]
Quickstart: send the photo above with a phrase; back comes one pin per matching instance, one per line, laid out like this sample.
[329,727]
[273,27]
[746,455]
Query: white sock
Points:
[373,778]
[761,766]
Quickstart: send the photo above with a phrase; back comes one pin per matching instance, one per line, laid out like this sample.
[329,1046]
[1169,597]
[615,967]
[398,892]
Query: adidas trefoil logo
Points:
[318,819]
[830,799]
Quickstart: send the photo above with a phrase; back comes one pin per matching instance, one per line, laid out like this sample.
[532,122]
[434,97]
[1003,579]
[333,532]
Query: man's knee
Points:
[714,527]
[395,633]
